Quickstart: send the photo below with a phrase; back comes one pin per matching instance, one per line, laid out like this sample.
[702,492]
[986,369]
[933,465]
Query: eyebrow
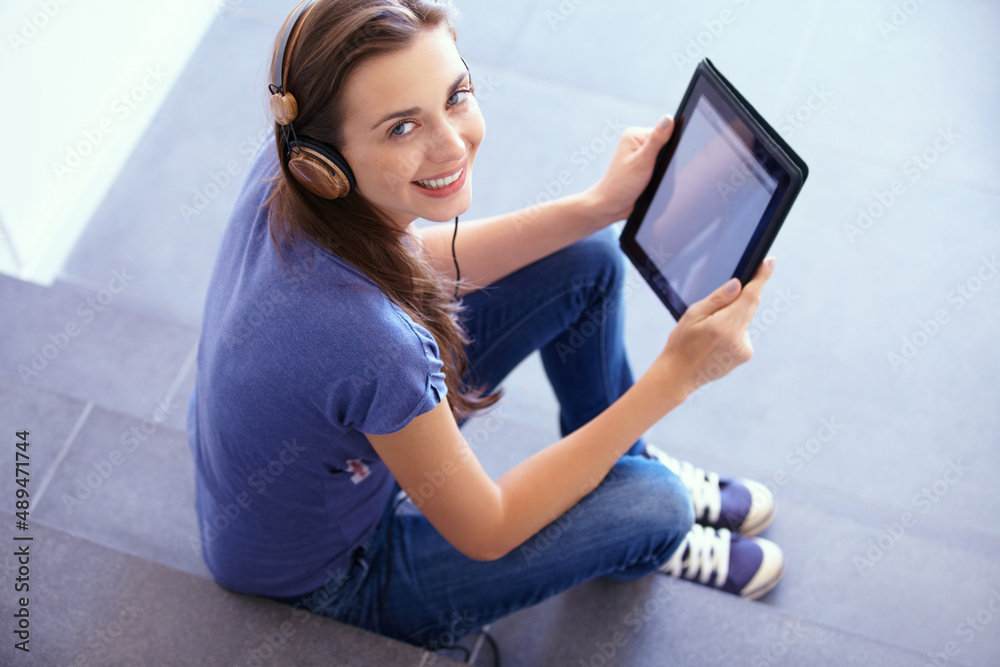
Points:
[414,111]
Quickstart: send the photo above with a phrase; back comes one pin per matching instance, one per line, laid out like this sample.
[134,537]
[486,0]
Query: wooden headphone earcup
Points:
[284,108]
[317,174]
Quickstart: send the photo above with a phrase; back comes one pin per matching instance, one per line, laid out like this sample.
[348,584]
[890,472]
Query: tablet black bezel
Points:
[779,160]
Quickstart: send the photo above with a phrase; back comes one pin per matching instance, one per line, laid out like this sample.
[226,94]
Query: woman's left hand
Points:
[630,169]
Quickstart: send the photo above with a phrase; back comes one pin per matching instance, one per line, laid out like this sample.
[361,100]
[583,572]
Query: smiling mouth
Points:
[437,184]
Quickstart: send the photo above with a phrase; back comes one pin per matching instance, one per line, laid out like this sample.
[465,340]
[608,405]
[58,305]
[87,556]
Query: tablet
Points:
[721,187]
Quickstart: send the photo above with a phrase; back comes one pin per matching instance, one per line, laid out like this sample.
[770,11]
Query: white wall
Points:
[82,80]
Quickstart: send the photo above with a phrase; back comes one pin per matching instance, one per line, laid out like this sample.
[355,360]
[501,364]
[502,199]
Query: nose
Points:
[446,143]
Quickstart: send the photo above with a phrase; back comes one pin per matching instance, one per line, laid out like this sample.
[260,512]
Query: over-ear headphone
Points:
[317,165]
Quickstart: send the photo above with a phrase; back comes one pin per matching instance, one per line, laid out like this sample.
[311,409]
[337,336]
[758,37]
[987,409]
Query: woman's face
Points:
[412,128]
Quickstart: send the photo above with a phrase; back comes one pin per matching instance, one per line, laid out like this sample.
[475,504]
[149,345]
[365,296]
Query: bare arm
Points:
[485,519]
[492,248]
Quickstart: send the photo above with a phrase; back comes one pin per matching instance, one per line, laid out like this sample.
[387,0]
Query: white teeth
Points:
[441,182]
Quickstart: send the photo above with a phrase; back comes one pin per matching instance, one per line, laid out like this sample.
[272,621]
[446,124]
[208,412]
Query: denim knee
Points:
[600,255]
[676,515]
[654,501]
[667,500]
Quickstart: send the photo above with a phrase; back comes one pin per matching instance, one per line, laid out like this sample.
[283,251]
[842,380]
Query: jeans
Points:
[405,581]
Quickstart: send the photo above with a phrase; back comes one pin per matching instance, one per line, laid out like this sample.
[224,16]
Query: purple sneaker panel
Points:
[736,502]
[745,558]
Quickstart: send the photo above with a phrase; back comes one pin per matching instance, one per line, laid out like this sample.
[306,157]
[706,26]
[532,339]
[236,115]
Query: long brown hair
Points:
[338,35]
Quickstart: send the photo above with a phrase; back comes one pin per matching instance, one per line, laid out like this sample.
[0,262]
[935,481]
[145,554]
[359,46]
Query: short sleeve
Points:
[392,373]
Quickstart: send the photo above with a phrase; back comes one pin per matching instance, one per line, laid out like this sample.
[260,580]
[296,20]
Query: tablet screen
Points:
[707,207]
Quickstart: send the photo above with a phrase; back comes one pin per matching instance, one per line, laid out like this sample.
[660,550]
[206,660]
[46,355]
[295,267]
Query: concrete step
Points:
[112,467]
[92,605]
[94,345]
[659,621]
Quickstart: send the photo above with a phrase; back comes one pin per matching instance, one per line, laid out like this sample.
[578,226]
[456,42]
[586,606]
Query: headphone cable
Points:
[458,272]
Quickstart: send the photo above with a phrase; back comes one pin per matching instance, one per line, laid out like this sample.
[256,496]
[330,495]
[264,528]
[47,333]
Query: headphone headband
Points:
[280,70]
[283,105]
[316,165]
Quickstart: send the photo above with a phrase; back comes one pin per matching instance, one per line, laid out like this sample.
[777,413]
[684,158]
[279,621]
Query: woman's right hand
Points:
[711,337]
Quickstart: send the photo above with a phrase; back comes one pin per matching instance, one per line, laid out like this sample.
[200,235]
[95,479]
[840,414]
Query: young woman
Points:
[340,352]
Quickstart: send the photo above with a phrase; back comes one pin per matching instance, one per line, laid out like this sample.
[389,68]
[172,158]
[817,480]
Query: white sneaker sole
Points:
[760,517]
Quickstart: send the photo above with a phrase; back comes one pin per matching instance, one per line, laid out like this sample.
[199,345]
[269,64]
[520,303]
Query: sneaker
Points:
[740,505]
[744,566]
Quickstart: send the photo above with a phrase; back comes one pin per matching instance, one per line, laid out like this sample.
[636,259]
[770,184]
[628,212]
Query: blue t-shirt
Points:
[295,364]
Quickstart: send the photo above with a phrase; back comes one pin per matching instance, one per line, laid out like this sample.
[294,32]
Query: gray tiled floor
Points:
[92,347]
[551,77]
[655,622]
[98,606]
[115,478]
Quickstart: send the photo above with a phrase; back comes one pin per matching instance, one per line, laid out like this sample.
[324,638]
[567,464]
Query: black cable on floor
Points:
[493,645]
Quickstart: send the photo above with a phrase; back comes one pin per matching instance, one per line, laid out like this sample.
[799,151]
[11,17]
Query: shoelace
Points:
[705,551]
[704,486]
